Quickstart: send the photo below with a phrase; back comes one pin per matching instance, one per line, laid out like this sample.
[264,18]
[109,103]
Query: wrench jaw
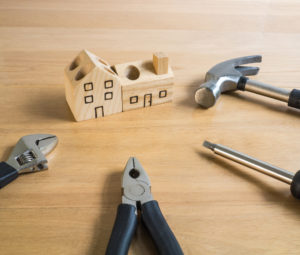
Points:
[47,143]
[30,151]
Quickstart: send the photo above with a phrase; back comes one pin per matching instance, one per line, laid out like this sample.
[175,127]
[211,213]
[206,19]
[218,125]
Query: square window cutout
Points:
[88,86]
[134,99]
[108,95]
[162,93]
[88,99]
[108,84]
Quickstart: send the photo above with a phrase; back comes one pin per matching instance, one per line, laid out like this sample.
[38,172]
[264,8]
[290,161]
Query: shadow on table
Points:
[189,99]
[52,105]
[6,153]
[111,198]
[277,106]
[270,193]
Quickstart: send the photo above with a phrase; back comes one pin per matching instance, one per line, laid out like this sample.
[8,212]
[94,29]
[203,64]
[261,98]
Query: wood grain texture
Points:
[212,205]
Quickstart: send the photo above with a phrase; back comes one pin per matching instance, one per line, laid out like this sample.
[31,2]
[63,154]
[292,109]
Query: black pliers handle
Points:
[136,189]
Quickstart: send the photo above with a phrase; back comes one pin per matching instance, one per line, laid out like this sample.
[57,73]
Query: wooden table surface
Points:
[213,206]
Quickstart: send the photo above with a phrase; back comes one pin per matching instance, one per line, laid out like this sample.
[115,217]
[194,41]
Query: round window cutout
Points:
[74,64]
[132,72]
[80,74]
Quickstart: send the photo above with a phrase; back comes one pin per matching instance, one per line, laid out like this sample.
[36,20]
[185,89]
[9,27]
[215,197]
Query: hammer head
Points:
[224,77]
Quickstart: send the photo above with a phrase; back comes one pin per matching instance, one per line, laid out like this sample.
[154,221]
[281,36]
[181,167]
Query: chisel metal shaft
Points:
[258,165]
[263,167]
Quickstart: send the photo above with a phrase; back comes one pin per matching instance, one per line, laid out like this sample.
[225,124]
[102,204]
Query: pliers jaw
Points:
[137,195]
[135,184]
[30,151]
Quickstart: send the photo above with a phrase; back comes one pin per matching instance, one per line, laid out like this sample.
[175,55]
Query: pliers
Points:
[27,156]
[137,197]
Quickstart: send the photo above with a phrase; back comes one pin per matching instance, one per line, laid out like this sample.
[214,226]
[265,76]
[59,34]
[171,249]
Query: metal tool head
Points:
[225,77]
[30,151]
[136,183]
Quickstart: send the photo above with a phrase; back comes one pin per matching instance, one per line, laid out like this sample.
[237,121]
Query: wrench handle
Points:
[7,174]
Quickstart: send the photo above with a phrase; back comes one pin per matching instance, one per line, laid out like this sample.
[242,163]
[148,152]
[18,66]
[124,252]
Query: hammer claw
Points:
[247,70]
[246,60]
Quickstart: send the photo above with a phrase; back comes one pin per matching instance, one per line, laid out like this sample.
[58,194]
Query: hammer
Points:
[231,75]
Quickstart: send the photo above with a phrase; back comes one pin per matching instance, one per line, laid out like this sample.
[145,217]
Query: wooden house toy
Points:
[95,89]
[92,89]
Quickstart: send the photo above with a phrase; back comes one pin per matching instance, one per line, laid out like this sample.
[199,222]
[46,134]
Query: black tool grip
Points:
[295,185]
[159,229]
[123,230]
[241,85]
[294,99]
[7,174]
